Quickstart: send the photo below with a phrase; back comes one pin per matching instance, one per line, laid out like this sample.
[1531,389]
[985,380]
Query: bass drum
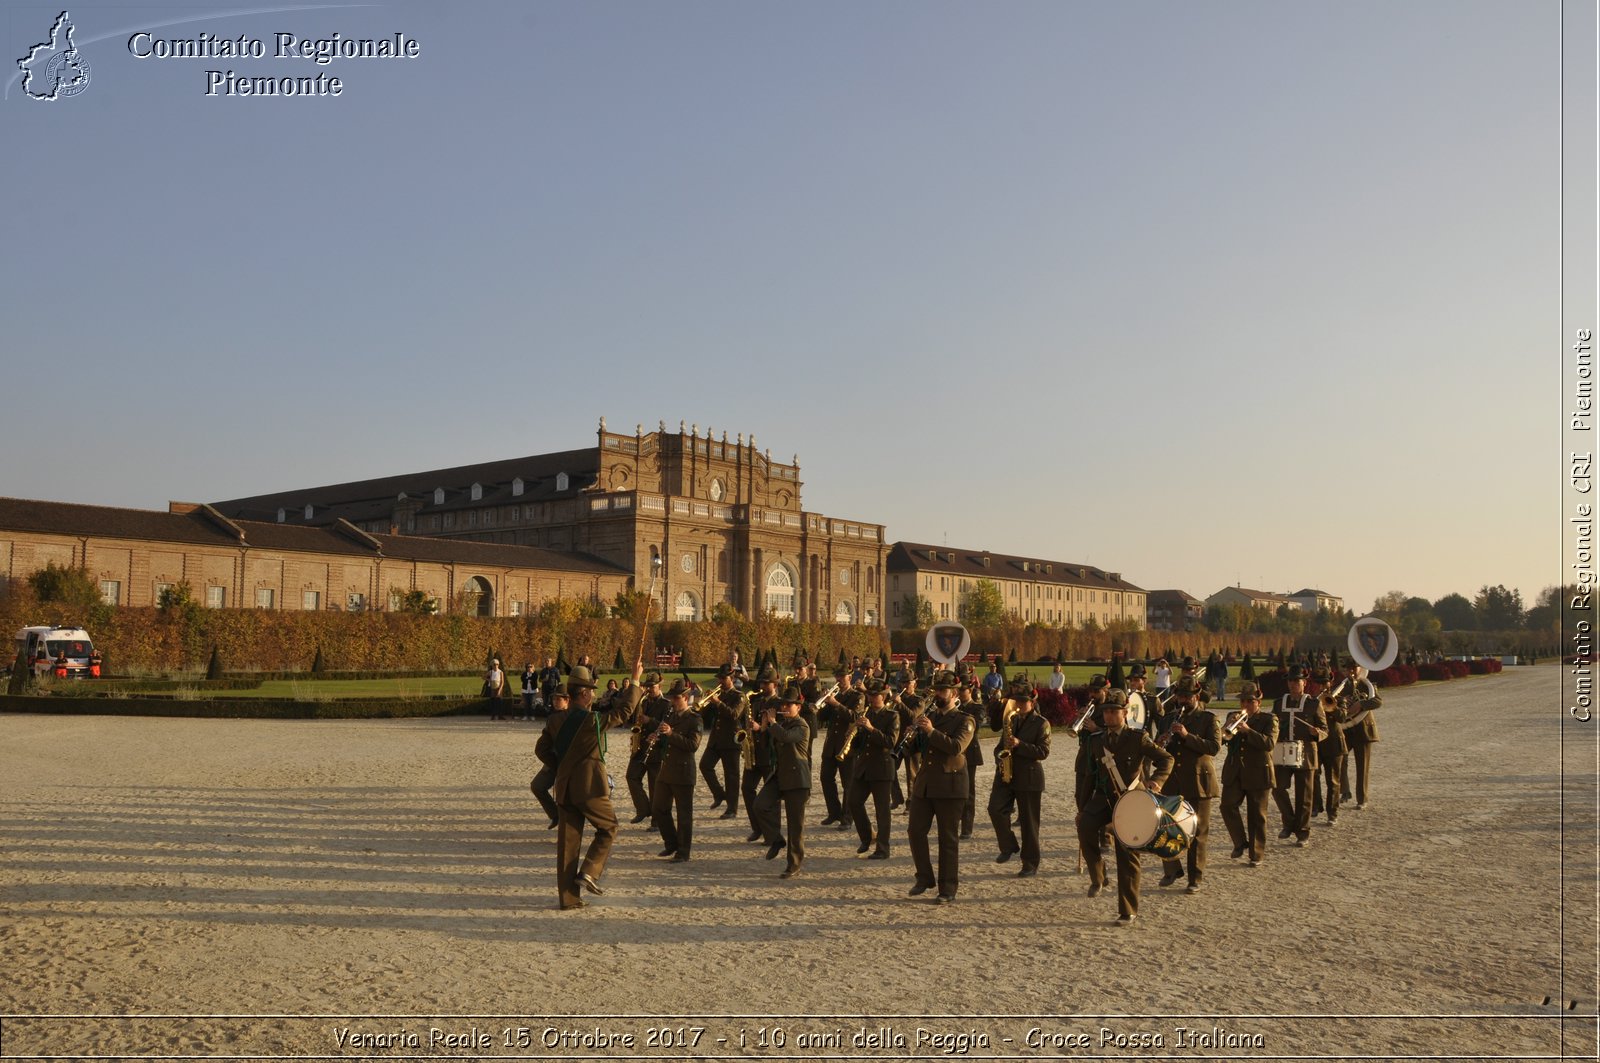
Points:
[1162,824]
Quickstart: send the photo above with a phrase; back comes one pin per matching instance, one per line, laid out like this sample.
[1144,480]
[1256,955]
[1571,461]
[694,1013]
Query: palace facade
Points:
[724,521]
[1060,593]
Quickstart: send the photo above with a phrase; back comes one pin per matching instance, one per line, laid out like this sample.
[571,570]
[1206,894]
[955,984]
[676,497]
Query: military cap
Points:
[725,671]
[768,674]
[1296,672]
[1023,692]
[791,695]
[1188,663]
[1249,692]
[1116,699]
[1098,682]
[579,679]
[1186,686]
[678,687]
[559,692]
[650,677]
[876,686]
[945,680]
[1136,671]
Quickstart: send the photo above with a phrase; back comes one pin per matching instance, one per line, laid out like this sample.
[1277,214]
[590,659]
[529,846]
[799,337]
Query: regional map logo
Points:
[55,69]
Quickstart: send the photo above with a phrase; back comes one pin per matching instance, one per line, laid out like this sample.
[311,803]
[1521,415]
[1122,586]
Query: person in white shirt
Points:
[1058,678]
[1163,678]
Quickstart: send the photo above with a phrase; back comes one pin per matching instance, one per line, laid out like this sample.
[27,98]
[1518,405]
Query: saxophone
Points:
[745,737]
[1003,754]
[856,716]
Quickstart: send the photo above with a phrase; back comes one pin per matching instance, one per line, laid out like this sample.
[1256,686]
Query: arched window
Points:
[780,591]
[844,614]
[687,607]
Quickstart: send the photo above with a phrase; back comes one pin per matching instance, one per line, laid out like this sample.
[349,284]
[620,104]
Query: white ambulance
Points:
[42,648]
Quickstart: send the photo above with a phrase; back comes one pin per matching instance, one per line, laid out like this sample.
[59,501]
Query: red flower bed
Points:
[1062,707]
[1437,671]
[1485,665]
[1396,675]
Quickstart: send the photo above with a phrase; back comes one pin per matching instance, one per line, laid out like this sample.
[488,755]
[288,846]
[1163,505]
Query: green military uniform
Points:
[1132,751]
[1025,791]
[939,792]
[673,798]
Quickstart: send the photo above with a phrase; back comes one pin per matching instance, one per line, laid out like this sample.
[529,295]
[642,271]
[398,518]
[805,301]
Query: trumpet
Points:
[816,706]
[1235,725]
[705,703]
[1083,718]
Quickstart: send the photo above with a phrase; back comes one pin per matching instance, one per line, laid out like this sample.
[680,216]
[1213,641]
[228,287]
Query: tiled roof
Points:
[916,556]
[200,527]
[363,500]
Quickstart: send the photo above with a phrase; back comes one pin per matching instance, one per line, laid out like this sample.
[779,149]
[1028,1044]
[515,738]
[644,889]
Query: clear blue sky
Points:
[1202,293]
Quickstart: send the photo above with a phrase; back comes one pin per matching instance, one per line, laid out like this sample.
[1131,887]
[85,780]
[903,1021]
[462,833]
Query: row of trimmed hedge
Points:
[245,708]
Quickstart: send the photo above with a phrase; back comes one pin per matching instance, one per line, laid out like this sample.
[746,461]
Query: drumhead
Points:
[1135,819]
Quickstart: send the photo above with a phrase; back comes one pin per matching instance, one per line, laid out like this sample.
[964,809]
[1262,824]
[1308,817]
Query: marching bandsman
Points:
[1109,761]
[674,742]
[575,741]
[1299,721]
[1361,700]
[978,709]
[765,702]
[1020,752]
[542,783]
[838,712]
[909,706]
[939,790]
[1193,743]
[787,777]
[1099,691]
[723,718]
[1326,789]
[1247,774]
[872,772]
[648,708]
[1140,716]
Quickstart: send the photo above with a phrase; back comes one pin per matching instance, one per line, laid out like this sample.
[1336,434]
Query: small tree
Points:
[71,590]
[920,609]
[317,666]
[214,667]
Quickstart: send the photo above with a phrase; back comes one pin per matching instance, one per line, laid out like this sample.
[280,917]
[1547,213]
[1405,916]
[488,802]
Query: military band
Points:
[1293,749]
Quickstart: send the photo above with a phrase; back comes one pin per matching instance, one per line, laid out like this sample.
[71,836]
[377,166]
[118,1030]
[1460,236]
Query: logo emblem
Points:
[1373,644]
[948,643]
[55,69]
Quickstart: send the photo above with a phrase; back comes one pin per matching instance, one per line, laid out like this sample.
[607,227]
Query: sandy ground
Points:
[394,880]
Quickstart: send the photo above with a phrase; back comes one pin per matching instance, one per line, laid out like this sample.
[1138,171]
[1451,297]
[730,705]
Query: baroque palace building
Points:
[1035,591]
[723,518]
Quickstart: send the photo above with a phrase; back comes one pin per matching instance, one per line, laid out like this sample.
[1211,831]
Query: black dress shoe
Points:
[919,889]
[668,852]
[944,898]
[879,856]
[590,884]
[1285,832]
[552,825]
[753,836]
[717,803]
[843,824]
[1005,856]
[774,849]
[1238,851]
[1170,877]
[679,858]
[864,848]
[966,834]
[1027,872]
[570,907]
[830,821]
[729,814]
[790,872]
[1095,888]
[640,817]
